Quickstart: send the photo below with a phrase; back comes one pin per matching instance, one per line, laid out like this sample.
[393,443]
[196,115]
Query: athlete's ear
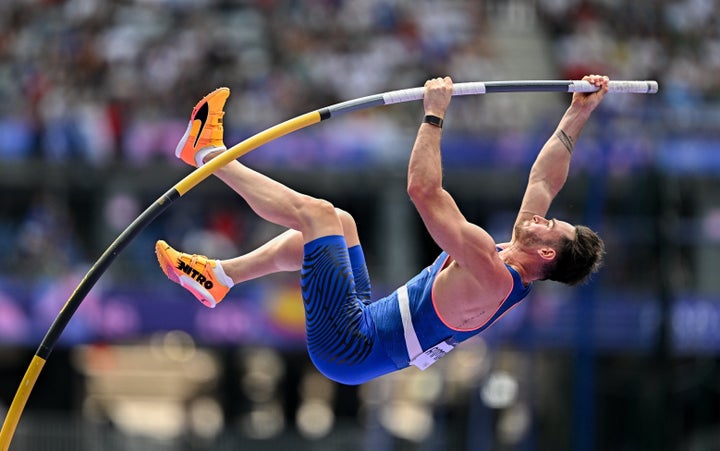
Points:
[547,253]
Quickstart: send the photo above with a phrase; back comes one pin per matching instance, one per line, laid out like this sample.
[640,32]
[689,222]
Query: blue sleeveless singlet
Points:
[352,339]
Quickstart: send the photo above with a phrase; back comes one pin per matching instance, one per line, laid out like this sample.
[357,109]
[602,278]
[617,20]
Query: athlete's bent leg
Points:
[279,204]
[284,253]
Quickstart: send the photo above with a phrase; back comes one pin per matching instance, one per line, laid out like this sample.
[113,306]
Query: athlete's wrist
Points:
[434,120]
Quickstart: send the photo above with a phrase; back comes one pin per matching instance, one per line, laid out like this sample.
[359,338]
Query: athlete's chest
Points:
[463,302]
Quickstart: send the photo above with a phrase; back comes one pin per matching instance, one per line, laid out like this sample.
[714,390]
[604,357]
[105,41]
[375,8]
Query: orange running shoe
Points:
[205,129]
[196,273]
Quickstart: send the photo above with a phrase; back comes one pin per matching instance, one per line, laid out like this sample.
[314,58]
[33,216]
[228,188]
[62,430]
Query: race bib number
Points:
[432,355]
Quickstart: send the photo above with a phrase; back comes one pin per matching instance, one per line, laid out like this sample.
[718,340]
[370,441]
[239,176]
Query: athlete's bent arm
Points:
[550,170]
[469,245]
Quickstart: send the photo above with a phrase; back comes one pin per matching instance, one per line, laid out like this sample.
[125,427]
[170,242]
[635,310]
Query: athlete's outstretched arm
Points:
[550,170]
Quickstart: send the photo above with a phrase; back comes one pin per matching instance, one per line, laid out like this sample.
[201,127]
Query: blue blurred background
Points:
[95,95]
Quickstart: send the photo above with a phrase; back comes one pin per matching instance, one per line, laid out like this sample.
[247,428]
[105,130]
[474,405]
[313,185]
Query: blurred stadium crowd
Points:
[105,81]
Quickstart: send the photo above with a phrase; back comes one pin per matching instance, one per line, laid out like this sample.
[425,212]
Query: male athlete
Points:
[351,338]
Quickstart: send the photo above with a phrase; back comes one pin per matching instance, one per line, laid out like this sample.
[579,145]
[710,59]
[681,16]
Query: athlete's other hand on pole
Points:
[589,100]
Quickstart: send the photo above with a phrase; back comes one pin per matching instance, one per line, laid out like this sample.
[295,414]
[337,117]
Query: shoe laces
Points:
[217,116]
[194,259]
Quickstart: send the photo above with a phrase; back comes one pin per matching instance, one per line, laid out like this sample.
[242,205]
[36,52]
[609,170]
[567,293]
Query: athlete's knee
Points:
[309,206]
[320,208]
[319,215]
[348,224]
[345,217]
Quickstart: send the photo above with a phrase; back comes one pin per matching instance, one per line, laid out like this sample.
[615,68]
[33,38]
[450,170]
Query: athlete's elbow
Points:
[419,190]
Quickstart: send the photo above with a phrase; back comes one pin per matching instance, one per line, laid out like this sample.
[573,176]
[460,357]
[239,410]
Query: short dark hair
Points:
[577,259]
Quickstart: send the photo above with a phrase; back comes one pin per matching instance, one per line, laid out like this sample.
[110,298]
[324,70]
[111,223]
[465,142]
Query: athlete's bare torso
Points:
[467,301]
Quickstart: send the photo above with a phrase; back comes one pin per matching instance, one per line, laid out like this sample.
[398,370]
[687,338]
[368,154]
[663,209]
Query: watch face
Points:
[434,120]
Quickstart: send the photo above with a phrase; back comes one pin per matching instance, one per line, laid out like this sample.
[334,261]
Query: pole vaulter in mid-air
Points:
[326,232]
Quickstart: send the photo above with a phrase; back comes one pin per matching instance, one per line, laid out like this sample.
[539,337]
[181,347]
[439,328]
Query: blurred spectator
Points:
[46,243]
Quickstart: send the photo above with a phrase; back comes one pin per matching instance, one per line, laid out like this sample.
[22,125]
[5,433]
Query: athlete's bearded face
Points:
[539,231]
[526,236]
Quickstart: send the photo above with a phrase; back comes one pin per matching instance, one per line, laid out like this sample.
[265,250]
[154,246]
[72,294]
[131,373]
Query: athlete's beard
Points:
[525,238]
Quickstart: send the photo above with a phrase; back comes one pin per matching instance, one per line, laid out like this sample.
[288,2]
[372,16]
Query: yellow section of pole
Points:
[18,403]
[182,187]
